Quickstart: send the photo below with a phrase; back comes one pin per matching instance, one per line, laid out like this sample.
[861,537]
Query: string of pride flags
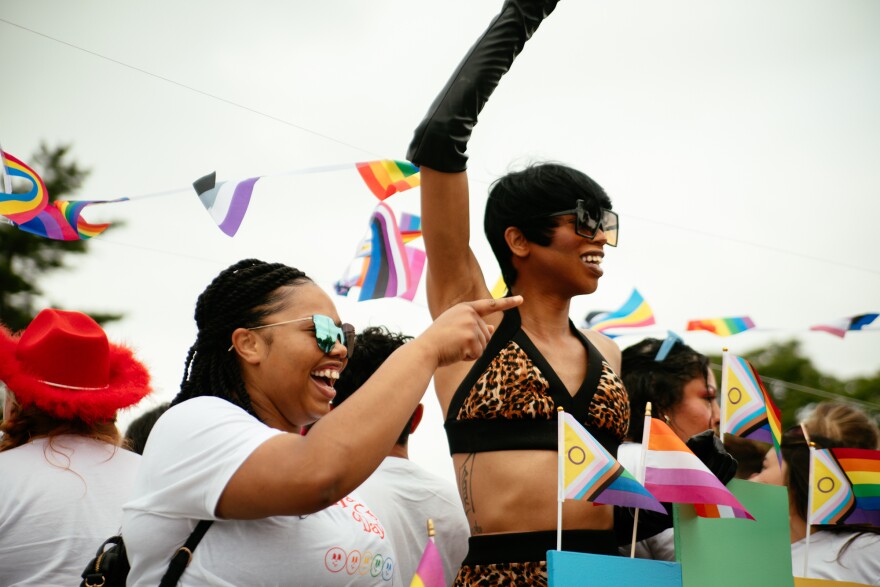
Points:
[386,264]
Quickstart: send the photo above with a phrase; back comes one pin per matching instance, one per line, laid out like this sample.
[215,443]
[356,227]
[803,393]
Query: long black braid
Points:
[241,296]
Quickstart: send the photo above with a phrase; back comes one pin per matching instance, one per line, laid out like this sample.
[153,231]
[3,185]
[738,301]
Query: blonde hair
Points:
[844,423]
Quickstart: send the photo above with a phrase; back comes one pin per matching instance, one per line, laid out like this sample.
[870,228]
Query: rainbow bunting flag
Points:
[383,265]
[20,208]
[747,410]
[387,177]
[62,220]
[844,325]
[674,474]
[862,468]
[634,313]
[831,498]
[227,201]
[589,472]
[722,326]
[429,573]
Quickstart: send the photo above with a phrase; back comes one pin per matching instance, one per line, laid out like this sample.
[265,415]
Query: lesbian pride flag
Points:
[589,472]
[387,177]
[862,468]
[674,474]
[430,570]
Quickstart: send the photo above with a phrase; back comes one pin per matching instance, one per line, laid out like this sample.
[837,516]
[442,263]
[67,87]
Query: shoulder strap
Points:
[183,556]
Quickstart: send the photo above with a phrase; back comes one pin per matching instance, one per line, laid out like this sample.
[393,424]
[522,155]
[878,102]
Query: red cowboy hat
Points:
[64,365]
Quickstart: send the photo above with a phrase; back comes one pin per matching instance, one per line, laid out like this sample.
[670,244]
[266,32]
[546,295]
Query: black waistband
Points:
[519,547]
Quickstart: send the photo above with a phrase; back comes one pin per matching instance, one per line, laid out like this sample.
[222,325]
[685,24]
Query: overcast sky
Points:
[738,139]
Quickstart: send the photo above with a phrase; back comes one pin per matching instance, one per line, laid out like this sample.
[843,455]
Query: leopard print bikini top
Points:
[508,399]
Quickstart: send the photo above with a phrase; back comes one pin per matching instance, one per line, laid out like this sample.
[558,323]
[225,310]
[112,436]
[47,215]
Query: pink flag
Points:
[674,474]
[430,570]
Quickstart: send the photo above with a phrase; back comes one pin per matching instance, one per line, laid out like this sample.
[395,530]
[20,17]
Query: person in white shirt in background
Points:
[401,493]
[64,474]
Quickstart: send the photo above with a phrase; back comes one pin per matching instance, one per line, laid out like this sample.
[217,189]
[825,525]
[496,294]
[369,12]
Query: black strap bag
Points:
[110,566]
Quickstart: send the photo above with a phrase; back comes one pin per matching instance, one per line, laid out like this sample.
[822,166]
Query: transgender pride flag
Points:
[674,474]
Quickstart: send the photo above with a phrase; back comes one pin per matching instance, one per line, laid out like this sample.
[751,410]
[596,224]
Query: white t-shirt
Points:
[860,563]
[404,496]
[661,546]
[193,451]
[58,503]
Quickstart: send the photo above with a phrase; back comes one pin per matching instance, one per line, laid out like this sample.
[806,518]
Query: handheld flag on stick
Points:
[387,177]
[227,201]
[747,410]
[722,326]
[634,313]
[674,474]
[20,208]
[429,573]
[844,325]
[831,499]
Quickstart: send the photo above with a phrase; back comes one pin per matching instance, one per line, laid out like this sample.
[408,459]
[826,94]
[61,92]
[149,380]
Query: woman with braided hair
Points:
[548,226]
[269,349]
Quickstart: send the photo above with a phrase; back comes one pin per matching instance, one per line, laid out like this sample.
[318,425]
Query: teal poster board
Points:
[734,552]
[569,569]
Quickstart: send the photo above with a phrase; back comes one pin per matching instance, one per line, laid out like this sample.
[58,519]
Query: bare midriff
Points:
[516,491]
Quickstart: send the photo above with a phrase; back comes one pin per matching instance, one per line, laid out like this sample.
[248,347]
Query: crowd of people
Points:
[283,458]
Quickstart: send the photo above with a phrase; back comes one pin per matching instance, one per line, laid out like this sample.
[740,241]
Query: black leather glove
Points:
[711,451]
[441,139]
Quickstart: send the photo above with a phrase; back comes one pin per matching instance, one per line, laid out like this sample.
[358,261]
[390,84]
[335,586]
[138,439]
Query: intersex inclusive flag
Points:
[842,326]
[722,326]
[634,313]
[831,498]
[592,474]
[674,474]
[387,177]
[62,220]
[429,573]
[227,201]
[20,208]
[747,410]
[862,468]
[383,266]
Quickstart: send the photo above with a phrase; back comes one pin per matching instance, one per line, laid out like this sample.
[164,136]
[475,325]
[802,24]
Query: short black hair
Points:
[139,429]
[659,382]
[525,198]
[372,347]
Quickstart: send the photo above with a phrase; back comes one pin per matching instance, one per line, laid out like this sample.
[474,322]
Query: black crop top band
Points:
[508,399]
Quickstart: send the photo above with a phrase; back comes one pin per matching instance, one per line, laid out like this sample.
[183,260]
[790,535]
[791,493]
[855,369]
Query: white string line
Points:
[192,89]
[349,145]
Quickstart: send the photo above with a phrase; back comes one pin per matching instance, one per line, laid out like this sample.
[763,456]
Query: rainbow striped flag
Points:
[722,326]
[429,573]
[842,326]
[747,410]
[674,474]
[62,220]
[634,313]
[862,468]
[831,498]
[20,208]
[589,472]
[227,201]
[387,177]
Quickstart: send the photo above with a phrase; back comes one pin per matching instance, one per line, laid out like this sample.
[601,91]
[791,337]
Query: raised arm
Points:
[291,474]
[439,145]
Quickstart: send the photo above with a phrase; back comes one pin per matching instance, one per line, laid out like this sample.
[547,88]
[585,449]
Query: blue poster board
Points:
[568,569]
